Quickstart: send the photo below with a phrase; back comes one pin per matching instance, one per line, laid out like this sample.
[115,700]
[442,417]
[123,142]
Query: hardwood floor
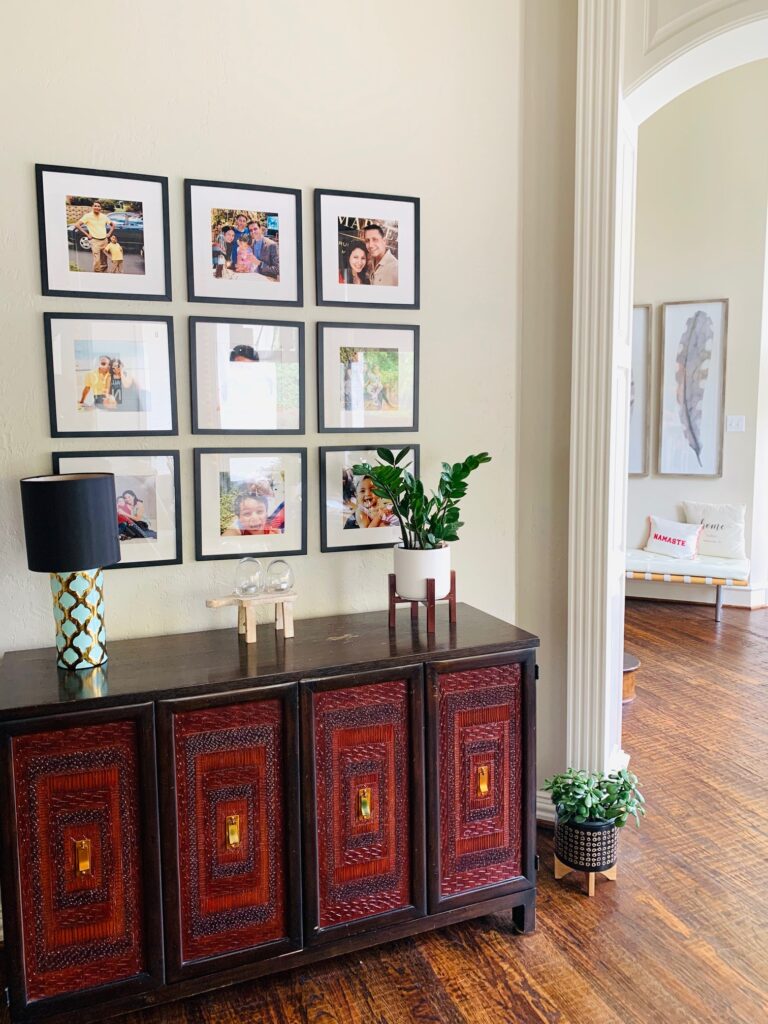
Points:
[682,936]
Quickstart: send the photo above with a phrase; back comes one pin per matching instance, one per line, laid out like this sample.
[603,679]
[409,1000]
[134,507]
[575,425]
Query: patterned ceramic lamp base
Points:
[78,609]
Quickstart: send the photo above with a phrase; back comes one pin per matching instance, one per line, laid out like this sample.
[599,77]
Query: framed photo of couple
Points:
[250,501]
[103,234]
[367,250]
[352,517]
[243,243]
[148,501]
[110,375]
[367,377]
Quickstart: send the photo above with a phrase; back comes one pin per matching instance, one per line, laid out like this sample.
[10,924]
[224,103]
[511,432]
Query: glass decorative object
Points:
[249,578]
[279,575]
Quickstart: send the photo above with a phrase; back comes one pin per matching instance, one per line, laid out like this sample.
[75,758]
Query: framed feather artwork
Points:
[692,387]
[640,391]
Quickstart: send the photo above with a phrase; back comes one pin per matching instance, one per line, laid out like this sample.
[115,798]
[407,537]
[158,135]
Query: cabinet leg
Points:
[524,918]
[288,620]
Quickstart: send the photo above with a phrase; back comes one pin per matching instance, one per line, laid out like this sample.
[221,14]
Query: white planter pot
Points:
[413,567]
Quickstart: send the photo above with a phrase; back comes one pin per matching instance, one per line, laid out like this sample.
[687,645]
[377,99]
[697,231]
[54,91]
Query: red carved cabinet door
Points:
[229,803]
[363,799]
[481,751]
[83,911]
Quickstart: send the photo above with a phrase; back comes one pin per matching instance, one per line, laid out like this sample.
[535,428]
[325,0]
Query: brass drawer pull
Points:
[483,779]
[233,831]
[364,803]
[82,856]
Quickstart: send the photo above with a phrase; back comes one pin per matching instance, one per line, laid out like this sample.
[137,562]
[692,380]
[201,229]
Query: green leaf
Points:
[386,456]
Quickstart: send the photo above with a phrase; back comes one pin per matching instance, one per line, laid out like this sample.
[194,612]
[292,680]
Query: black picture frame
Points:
[162,181]
[322,327]
[174,454]
[297,324]
[198,455]
[48,318]
[325,547]
[322,299]
[192,296]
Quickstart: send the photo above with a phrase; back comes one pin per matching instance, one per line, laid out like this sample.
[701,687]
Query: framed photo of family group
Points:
[247,376]
[110,375]
[148,501]
[366,249]
[348,505]
[250,501]
[103,234]
[243,243]
[367,377]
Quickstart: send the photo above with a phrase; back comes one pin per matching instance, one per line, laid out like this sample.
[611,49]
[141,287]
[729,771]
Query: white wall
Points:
[416,99]
[702,193]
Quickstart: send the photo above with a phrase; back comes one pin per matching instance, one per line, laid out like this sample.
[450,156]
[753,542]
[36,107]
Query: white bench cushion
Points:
[710,567]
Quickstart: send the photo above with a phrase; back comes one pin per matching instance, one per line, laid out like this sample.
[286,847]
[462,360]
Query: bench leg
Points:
[719,605]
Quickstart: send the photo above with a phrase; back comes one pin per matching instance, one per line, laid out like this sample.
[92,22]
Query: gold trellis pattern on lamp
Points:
[78,609]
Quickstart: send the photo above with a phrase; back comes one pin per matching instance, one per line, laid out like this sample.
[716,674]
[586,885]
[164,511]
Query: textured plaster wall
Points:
[417,99]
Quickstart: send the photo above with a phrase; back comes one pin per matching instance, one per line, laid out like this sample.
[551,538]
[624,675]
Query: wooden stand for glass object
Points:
[246,611]
[395,600]
[561,870]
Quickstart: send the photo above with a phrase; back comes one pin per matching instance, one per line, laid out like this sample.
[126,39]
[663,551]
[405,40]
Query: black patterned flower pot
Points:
[590,846]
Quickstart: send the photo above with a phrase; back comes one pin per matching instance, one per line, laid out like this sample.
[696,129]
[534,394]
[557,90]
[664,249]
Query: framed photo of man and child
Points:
[367,249]
[348,505]
[110,375]
[250,501]
[103,234]
[243,243]
[148,501]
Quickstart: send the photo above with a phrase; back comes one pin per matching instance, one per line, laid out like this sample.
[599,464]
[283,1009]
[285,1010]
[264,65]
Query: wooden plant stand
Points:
[395,600]
[246,611]
[561,870]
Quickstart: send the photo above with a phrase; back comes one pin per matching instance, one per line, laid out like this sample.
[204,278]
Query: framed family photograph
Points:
[110,375]
[148,501]
[243,243]
[367,377]
[693,388]
[103,234]
[366,249]
[640,392]
[247,376]
[352,517]
[250,501]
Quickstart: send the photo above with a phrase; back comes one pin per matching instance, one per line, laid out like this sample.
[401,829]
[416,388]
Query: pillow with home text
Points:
[723,528]
[679,540]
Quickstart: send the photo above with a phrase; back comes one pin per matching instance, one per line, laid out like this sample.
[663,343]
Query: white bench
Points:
[710,571]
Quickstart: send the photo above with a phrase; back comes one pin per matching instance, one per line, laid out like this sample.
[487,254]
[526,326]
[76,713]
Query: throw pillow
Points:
[723,533]
[667,537]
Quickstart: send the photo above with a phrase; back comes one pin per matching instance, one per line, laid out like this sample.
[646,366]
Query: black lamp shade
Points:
[70,521]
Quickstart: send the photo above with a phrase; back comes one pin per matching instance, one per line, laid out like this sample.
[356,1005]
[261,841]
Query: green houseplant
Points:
[591,807]
[428,522]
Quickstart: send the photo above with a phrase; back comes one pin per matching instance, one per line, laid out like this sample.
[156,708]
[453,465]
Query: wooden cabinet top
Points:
[185,664]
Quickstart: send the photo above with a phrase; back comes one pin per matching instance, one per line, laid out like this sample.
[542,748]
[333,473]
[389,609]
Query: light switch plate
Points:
[735,424]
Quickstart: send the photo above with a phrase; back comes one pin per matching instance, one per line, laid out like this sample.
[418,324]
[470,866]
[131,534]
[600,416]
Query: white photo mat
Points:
[639,406]
[246,464]
[56,186]
[202,199]
[158,472]
[692,388]
[405,212]
[339,384]
[151,344]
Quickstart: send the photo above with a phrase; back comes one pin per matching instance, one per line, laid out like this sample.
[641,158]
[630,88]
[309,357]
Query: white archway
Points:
[607,117]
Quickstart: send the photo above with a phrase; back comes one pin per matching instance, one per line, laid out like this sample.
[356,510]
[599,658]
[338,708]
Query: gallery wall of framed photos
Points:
[114,374]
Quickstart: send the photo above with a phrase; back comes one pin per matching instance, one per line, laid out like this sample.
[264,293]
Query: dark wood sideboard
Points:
[204,811]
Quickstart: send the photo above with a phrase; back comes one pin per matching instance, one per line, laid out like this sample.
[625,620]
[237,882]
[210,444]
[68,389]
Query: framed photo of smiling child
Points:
[366,249]
[352,517]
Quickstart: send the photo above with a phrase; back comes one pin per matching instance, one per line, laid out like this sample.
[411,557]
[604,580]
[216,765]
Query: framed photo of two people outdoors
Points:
[243,243]
[367,250]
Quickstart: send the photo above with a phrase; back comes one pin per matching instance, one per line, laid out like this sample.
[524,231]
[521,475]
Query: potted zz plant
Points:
[427,522]
[591,807]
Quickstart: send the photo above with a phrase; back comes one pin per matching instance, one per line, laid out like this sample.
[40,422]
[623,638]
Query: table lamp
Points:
[70,526]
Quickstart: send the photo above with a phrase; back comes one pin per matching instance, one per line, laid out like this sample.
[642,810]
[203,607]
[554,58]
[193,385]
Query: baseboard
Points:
[750,598]
[545,809]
